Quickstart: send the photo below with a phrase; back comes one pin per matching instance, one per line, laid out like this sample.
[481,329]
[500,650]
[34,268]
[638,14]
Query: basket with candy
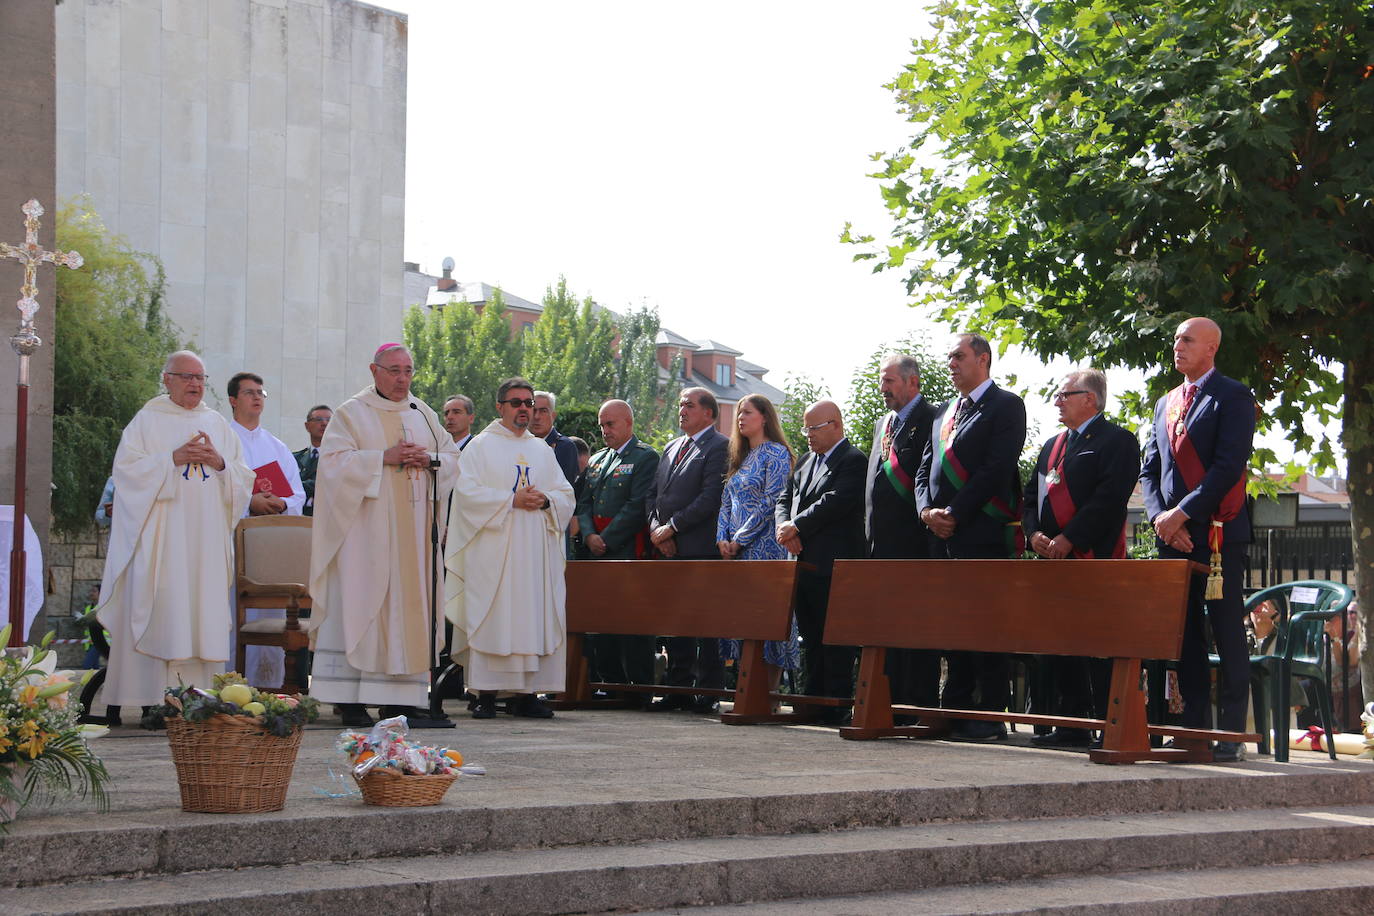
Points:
[392,770]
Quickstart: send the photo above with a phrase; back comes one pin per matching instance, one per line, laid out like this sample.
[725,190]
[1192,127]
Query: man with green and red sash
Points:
[1193,481]
[893,529]
[1074,507]
[968,493]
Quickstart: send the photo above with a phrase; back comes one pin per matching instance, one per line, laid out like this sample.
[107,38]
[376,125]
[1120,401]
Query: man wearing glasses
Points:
[180,487]
[505,555]
[308,459]
[1074,507]
[370,571]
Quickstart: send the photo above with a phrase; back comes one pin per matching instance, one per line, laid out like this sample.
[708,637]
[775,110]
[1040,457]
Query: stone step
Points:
[1281,890]
[738,869]
[60,848]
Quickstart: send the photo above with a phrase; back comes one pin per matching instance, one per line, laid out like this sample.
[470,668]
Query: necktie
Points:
[1189,394]
[813,471]
[682,452]
[960,410]
[314,453]
[888,432]
[1073,439]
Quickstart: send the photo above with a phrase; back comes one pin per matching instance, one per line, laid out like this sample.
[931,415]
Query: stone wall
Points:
[74,564]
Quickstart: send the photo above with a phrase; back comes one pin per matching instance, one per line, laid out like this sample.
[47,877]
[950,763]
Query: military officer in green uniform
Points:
[611,522]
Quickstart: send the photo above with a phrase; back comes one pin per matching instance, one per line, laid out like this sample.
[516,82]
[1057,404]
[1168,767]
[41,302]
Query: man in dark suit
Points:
[820,518]
[682,508]
[1075,507]
[542,422]
[308,459]
[610,517]
[1193,481]
[894,530]
[968,491]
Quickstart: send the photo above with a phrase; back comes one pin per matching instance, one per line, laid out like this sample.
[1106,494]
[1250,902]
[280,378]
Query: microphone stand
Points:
[436,717]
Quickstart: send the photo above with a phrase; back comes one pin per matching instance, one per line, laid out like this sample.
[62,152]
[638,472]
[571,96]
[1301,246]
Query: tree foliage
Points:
[866,401]
[111,339]
[1083,176]
[458,350]
[568,351]
[802,391]
[637,377]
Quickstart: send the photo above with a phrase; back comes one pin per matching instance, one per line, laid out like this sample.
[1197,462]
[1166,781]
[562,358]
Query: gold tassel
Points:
[1214,589]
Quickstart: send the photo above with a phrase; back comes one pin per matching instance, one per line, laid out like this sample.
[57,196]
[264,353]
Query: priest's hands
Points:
[529,498]
[198,450]
[406,454]
[266,504]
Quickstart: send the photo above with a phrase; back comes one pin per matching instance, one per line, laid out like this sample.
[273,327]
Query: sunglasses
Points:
[519,402]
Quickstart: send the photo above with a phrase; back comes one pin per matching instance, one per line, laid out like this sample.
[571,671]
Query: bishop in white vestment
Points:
[505,557]
[370,543]
[180,487]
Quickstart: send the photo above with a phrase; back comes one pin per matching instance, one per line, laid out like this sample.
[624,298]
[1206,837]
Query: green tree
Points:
[458,350]
[569,349]
[801,392]
[866,401]
[637,377]
[111,339]
[1083,176]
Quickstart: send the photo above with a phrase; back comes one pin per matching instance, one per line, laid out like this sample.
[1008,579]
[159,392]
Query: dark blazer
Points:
[988,442]
[1221,426]
[617,484]
[1101,470]
[688,495]
[895,530]
[307,464]
[564,452]
[830,513]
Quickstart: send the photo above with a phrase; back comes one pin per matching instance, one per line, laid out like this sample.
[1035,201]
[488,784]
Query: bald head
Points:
[617,423]
[823,426]
[1195,347]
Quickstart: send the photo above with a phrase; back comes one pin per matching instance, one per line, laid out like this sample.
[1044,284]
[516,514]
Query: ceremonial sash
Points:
[1192,470]
[1061,501]
[1006,511]
[901,481]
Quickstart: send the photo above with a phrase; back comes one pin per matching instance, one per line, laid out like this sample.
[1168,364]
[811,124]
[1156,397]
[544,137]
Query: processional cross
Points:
[25,342]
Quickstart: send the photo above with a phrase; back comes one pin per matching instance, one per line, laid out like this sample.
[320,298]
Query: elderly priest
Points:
[370,547]
[180,487]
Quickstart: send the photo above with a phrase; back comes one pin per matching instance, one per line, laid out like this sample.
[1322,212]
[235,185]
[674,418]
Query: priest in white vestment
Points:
[370,544]
[505,557]
[263,666]
[180,487]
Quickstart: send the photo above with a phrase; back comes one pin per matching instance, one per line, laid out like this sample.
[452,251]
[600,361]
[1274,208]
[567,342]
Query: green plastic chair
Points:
[1303,607]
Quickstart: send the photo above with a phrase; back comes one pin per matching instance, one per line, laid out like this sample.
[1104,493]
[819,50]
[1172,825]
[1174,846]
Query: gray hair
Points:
[167,366]
[906,364]
[1093,380]
[553,400]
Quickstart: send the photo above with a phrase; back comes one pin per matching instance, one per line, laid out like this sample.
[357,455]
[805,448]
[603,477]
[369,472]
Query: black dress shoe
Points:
[1228,752]
[671,703]
[705,705]
[1062,737]
[354,715]
[978,730]
[484,706]
[531,707]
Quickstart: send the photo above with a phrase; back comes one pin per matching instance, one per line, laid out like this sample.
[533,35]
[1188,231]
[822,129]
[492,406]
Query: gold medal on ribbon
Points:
[1052,478]
[1180,428]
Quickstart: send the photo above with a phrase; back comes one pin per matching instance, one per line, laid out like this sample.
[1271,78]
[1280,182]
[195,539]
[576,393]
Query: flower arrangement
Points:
[279,714]
[43,750]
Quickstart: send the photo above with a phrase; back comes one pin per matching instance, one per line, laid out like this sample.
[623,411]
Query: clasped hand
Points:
[1056,548]
[1172,528]
[406,454]
[198,450]
[528,498]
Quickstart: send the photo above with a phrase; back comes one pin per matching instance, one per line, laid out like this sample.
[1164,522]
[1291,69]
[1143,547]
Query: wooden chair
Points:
[271,571]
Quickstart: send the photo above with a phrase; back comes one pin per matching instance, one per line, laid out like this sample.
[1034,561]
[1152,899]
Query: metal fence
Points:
[1315,550]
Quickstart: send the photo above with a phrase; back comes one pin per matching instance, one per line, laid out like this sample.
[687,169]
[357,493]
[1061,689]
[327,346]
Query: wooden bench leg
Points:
[753,700]
[1125,735]
[577,689]
[873,702]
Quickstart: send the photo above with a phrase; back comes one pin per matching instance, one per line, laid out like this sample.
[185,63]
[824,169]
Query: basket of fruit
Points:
[395,772]
[234,747]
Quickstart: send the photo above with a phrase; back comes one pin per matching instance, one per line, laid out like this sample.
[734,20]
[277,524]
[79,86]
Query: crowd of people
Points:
[383,471]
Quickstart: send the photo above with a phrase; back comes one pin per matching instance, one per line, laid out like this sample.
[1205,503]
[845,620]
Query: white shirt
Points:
[260,447]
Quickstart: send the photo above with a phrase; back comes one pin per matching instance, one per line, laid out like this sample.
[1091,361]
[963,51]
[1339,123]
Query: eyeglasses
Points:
[1065,395]
[397,371]
[252,392]
[314,419]
[542,410]
[188,376]
[808,430]
[518,402]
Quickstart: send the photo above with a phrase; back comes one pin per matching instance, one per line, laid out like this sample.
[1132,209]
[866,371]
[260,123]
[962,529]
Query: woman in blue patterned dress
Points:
[756,470]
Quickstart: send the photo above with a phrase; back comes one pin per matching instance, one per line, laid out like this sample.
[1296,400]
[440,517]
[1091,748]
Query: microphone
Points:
[433,462]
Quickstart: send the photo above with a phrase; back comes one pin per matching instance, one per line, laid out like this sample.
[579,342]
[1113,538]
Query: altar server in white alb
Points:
[370,544]
[180,487]
[505,557]
[277,490]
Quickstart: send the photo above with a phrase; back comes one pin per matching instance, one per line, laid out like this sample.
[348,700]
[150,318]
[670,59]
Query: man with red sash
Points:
[610,514]
[1075,508]
[894,532]
[1193,481]
[968,493]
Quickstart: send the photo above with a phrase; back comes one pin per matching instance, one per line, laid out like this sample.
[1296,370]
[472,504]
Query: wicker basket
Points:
[229,765]
[397,790]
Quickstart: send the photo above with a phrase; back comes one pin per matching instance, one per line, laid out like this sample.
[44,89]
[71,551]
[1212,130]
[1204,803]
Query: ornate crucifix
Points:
[25,342]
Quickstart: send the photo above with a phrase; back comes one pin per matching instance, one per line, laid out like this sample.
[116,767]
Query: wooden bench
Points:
[750,600]
[1125,610]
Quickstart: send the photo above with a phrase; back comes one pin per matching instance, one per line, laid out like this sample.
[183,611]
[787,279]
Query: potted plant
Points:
[43,750]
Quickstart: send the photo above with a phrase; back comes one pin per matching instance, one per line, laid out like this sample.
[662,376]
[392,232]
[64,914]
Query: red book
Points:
[271,481]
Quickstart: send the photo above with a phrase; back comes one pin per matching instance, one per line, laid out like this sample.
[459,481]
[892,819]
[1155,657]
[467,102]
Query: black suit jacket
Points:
[1101,470]
[1221,426]
[564,452]
[688,494]
[988,443]
[895,530]
[829,514]
[307,464]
